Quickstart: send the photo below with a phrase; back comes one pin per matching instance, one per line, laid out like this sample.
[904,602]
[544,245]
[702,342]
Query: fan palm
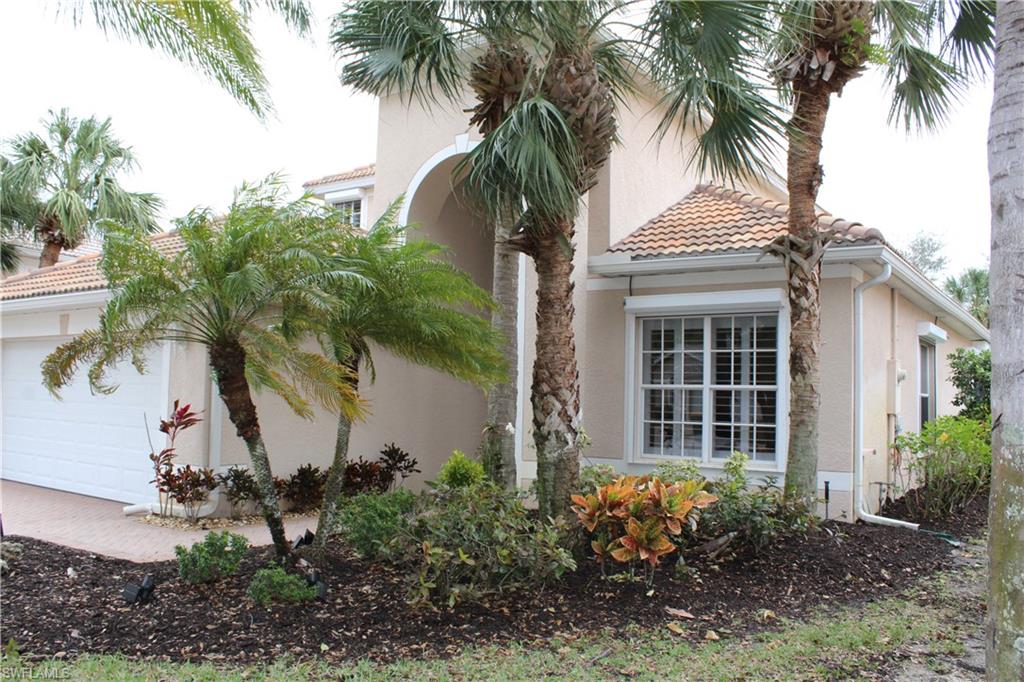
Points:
[715,62]
[211,36]
[414,305]
[61,187]
[234,286]
[970,290]
[544,75]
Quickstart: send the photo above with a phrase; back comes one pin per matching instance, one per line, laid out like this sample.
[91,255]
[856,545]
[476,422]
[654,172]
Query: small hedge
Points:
[274,584]
[216,557]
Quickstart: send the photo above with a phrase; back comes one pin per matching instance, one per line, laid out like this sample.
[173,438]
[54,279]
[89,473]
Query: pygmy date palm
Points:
[715,61]
[234,286]
[62,187]
[413,304]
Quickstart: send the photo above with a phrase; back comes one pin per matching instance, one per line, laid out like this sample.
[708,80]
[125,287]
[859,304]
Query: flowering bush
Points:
[633,518]
[951,460]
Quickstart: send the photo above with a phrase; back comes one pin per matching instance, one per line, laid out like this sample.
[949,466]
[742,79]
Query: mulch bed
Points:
[963,525]
[48,613]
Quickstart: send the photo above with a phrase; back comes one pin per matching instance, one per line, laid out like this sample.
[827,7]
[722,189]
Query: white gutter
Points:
[860,510]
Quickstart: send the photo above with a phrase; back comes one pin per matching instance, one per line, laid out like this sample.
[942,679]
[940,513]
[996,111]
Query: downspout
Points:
[860,509]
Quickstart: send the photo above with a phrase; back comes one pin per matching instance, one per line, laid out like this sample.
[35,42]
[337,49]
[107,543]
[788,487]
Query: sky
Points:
[194,143]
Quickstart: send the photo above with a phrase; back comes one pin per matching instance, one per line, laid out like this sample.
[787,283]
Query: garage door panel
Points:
[86,443]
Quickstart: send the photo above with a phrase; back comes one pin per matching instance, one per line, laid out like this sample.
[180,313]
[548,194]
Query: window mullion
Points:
[706,413]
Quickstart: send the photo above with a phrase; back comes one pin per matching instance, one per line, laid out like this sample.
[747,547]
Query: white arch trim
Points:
[462,145]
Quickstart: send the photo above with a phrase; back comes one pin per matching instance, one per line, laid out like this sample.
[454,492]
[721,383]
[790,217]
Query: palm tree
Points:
[210,36]
[970,290]
[545,76]
[1004,624]
[61,187]
[234,286]
[713,59]
[414,305]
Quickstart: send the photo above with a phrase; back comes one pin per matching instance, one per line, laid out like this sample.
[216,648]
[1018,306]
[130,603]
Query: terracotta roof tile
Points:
[353,174]
[81,274]
[713,219]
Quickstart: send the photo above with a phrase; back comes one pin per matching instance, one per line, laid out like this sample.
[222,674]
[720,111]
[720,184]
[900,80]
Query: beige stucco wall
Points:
[890,324]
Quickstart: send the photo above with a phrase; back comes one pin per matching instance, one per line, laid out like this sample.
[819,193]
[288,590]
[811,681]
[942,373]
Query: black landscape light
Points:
[139,594]
[304,539]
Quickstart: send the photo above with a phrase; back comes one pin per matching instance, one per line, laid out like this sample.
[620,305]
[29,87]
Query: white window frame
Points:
[717,303]
[933,380]
[335,198]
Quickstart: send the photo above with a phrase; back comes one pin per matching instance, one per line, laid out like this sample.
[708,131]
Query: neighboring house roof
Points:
[81,274]
[352,174]
[86,247]
[713,219]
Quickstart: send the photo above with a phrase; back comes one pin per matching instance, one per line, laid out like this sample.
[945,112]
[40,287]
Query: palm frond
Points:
[399,47]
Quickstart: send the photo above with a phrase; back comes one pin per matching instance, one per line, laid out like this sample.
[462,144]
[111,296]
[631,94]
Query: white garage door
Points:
[90,444]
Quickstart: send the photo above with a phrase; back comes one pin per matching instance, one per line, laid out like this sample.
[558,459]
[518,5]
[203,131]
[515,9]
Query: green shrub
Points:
[971,375]
[460,471]
[751,518]
[594,476]
[951,461]
[675,471]
[465,542]
[273,583]
[305,488]
[217,556]
[370,521]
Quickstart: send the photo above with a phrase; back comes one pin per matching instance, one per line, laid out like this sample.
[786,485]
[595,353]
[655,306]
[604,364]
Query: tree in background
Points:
[413,304]
[924,251]
[62,186]
[213,37]
[971,376]
[970,290]
[1004,624]
[235,285]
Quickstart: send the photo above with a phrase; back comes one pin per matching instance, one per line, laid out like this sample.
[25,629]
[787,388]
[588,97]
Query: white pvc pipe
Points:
[860,510]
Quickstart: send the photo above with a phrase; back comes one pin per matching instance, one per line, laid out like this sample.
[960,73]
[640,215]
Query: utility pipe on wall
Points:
[860,510]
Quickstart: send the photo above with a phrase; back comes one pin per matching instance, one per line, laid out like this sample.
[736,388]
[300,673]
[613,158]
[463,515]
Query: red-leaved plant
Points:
[632,518]
[180,419]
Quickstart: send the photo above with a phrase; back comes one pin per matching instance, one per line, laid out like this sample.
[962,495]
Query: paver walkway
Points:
[100,526]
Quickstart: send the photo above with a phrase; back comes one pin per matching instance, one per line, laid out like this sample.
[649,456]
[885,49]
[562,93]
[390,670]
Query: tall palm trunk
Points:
[50,254]
[336,477]
[497,77]
[1004,624]
[499,445]
[804,247]
[228,363]
[555,392]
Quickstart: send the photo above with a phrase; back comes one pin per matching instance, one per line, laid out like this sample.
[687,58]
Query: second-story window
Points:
[351,211]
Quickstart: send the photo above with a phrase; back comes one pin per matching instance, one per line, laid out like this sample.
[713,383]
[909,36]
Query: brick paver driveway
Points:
[100,526]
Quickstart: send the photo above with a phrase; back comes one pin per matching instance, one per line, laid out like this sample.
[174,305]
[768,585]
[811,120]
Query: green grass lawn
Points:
[843,644]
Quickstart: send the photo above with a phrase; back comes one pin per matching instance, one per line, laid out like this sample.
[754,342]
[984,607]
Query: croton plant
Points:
[633,518]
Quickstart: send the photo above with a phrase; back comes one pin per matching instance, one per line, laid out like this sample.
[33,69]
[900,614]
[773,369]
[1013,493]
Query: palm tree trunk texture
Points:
[499,446]
[556,389]
[229,366]
[334,486]
[803,264]
[50,253]
[1004,624]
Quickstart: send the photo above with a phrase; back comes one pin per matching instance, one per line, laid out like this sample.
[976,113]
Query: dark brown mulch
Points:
[47,612]
[963,525]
